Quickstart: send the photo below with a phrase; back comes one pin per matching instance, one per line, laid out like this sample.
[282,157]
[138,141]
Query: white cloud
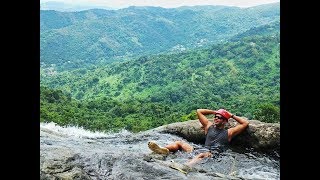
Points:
[165,3]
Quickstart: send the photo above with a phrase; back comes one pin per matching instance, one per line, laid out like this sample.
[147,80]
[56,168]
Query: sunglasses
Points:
[219,117]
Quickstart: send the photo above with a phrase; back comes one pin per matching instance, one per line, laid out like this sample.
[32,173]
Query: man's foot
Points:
[155,148]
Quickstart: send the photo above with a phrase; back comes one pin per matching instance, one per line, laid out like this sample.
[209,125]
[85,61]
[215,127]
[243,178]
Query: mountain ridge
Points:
[67,41]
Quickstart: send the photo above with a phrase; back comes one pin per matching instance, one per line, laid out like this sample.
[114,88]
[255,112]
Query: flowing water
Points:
[241,164]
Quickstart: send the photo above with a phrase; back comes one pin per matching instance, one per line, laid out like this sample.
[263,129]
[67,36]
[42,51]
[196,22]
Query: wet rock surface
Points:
[124,155]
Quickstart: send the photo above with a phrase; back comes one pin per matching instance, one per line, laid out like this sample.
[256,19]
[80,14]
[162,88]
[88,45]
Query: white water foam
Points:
[81,132]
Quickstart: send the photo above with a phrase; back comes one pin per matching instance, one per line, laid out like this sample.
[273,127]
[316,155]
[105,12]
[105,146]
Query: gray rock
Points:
[259,136]
[125,156]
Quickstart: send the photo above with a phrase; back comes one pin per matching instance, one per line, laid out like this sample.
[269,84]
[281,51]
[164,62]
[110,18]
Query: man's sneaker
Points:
[159,150]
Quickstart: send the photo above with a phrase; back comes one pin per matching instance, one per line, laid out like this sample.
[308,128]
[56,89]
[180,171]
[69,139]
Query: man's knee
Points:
[179,143]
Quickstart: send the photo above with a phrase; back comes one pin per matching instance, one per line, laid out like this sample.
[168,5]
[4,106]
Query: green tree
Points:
[267,113]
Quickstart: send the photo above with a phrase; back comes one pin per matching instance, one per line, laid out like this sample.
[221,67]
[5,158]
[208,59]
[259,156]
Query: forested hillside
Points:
[71,40]
[241,75]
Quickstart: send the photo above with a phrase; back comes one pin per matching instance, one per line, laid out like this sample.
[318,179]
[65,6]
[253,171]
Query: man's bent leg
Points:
[198,158]
[179,145]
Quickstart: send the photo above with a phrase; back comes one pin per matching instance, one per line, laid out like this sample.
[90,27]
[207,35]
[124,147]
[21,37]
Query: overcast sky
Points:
[165,3]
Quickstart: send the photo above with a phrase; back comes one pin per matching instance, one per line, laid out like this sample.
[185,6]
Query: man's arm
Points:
[243,124]
[203,119]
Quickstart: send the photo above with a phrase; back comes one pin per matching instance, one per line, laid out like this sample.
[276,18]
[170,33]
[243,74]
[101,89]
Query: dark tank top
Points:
[216,139]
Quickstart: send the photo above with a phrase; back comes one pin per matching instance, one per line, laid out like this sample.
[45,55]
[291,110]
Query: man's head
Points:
[223,113]
[221,117]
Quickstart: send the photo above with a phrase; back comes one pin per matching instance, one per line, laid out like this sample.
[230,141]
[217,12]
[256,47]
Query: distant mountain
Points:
[268,29]
[61,6]
[150,91]
[70,40]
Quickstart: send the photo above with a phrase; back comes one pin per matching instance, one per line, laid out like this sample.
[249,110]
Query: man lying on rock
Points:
[217,137]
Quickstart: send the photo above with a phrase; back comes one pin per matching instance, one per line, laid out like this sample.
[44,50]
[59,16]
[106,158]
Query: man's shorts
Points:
[199,149]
